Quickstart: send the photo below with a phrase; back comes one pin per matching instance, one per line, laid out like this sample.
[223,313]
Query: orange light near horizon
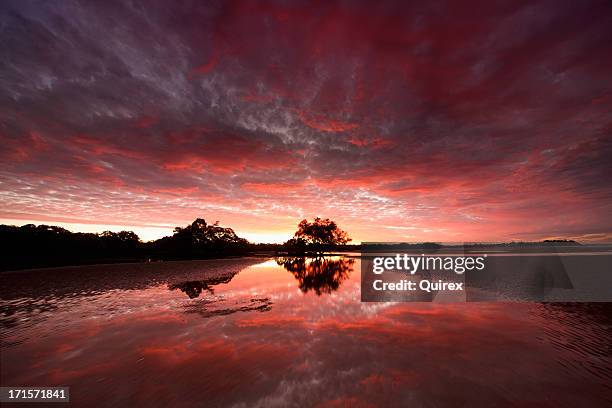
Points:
[276,237]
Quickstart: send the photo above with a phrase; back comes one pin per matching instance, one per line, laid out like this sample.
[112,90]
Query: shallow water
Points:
[250,332]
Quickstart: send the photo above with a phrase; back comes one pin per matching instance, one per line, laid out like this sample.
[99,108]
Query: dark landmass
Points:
[467,247]
[31,246]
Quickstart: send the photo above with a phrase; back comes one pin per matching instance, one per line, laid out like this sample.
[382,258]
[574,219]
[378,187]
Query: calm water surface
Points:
[251,332]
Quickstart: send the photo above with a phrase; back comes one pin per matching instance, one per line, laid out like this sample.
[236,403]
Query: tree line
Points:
[32,246]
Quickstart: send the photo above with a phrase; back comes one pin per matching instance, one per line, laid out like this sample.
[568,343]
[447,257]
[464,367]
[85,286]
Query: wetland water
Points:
[253,332]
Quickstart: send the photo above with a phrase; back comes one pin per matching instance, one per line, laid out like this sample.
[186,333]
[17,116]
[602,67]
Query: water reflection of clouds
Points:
[306,350]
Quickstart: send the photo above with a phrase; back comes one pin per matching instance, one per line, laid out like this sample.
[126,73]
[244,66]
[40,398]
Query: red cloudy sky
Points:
[438,120]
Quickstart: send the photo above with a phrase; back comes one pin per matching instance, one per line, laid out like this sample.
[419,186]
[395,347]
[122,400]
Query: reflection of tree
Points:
[323,275]
[193,289]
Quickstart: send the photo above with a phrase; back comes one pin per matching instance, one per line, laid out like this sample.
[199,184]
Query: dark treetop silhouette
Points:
[44,245]
[200,239]
[33,246]
[316,236]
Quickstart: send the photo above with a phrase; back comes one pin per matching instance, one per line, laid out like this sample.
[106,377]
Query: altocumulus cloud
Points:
[462,121]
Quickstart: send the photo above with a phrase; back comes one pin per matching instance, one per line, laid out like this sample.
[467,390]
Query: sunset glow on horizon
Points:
[426,122]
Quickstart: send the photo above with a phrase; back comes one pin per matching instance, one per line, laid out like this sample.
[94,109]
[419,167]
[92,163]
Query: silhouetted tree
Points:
[316,236]
[32,246]
[295,246]
[321,232]
[200,239]
[46,245]
[120,243]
